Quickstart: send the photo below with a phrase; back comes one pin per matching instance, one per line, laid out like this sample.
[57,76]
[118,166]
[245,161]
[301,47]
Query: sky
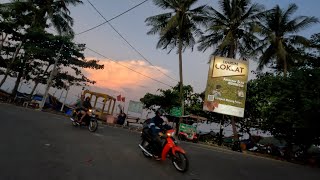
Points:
[116,79]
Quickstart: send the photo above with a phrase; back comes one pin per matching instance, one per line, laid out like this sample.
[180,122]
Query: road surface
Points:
[37,145]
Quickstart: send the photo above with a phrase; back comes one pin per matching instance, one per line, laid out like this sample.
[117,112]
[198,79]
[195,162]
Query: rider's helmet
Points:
[88,98]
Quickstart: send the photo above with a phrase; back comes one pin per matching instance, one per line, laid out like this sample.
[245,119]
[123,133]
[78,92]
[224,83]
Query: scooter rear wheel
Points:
[145,144]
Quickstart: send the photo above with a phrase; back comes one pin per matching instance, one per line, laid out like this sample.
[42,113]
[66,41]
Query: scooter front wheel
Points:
[93,126]
[180,162]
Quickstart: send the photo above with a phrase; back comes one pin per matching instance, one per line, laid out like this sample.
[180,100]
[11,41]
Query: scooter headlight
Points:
[170,134]
[92,111]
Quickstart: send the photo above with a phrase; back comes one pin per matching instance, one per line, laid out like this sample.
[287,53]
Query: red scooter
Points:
[169,149]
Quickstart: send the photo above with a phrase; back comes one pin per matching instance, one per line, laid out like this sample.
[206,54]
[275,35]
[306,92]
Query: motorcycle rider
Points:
[86,105]
[156,128]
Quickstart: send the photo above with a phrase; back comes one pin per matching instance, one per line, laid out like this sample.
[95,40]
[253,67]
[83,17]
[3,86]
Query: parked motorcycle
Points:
[169,149]
[183,136]
[89,120]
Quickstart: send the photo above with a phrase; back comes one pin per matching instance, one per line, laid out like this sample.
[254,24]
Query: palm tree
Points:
[57,12]
[281,42]
[177,28]
[230,31]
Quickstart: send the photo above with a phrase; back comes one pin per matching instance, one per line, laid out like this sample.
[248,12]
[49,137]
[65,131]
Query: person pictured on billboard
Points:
[212,101]
[216,92]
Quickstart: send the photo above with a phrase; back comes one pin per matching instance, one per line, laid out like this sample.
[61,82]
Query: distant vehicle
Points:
[89,120]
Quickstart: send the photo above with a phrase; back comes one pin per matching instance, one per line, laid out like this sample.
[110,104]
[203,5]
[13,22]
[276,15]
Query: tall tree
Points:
[14,24]
[39,11]
[231,31]
[177,28]
[44,47]
[281,41]
[57,12]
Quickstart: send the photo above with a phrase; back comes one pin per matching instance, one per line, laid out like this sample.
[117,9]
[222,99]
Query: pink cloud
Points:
[119,78]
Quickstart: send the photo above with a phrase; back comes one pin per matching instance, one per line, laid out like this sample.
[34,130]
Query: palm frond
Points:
[225,6]
[300,23]
[181,23]
[208,41]
[298,40]
[157,23]
[292,8]
[172,23]
[266,57]
[165,4]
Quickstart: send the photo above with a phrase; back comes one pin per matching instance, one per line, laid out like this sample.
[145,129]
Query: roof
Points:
[99,94]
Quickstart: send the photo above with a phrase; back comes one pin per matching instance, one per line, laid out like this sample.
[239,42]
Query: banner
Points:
[176,111]
[135,107]
[226,86]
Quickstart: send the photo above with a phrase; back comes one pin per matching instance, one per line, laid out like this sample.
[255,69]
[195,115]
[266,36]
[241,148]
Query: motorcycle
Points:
[183,136]
[89,120]
[169,149]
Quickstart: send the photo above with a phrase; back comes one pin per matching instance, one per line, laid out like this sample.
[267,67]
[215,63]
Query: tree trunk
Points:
[20,74]
[17,83]
[10,65]
[4,78]
[34,88]
[37,80]
[232,54]
[181,76]
[234,129]
[285,67]
[249,133]
[2,41]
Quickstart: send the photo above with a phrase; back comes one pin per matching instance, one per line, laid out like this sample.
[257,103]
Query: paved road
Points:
[36,145]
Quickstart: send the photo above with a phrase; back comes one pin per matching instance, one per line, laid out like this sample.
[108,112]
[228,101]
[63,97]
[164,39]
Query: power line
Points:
[128,41]
[113,18]
[128,67]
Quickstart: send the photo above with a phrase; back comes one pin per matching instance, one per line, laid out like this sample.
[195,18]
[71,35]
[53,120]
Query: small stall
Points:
[184,125]
[107,101]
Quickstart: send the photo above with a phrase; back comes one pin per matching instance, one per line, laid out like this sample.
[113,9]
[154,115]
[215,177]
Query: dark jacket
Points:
[87,105]
[156,125]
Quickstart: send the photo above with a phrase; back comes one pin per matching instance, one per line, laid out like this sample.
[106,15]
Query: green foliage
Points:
[314,55]
[28,51]
[169,98]
[166,99]
[287,107]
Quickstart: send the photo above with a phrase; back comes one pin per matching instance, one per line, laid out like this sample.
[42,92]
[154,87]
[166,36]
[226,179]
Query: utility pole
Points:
[49,82]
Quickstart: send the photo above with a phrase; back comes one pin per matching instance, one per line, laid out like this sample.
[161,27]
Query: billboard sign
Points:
[135,107]
[226,86]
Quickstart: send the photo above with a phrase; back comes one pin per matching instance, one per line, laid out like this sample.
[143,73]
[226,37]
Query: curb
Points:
[137,130]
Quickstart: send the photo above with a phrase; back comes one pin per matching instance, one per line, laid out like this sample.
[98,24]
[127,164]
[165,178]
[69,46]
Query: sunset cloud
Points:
[119,78]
